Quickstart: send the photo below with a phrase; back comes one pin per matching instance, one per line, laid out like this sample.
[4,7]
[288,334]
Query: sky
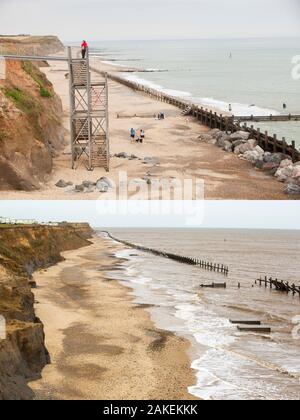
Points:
[209,214]
[97,20]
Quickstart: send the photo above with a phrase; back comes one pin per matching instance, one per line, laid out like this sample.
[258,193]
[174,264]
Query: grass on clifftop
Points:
[39,78]
[23,101]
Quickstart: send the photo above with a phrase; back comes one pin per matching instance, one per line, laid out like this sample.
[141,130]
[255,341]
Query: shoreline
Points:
[213,118]
[96,335]
[173,145]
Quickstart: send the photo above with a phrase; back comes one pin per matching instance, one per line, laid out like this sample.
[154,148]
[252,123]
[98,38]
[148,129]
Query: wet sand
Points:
[173,143]
[101,344]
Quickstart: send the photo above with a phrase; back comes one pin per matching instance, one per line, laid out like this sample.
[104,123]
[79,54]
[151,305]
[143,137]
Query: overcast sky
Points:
[99,20]
[216,214]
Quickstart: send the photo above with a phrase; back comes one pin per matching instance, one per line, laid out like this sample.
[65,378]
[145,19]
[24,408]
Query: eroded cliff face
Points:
[23,250]
[31,132]
[30,45]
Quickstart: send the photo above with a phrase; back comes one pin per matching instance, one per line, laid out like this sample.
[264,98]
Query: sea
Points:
[255,76]
[228,364]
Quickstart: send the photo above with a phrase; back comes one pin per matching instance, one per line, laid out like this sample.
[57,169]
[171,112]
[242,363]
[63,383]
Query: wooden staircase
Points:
[89,117]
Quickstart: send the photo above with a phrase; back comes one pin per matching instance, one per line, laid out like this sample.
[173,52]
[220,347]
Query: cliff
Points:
[24,249]
[31,131]
[30,45]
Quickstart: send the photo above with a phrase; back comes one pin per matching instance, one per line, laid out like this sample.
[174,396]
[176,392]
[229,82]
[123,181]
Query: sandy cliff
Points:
[37,45]
[22,251]
[31,132]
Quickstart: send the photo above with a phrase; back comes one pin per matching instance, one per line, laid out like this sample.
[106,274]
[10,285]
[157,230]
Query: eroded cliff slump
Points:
[31,132]
[23,250]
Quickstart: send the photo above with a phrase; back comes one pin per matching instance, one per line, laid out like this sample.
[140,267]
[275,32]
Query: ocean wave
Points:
[237,108]
[113,64]
[154,71]
[136,79]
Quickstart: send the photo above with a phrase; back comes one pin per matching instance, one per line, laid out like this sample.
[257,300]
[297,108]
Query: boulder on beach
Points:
[284,173]
[121,155]
[285,163]
[292,188]
[79,188]
[102,187]
[221,141]
[227,146]
[259,164]
[270,167]
[88,184]
[106,181]
[296,171]
[237,143]
[253,156]
[259,150]
[219,134]
[215,132]
[267,156]
[245,147]
[278,158]
[63,184]
[240,135]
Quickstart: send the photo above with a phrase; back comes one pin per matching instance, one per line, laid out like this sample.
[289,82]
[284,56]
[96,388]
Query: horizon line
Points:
[181,39]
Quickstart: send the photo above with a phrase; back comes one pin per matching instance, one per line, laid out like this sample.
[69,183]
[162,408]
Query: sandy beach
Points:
[173,144]
[102,346]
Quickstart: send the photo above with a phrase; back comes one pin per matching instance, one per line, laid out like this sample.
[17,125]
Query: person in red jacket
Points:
[84,46]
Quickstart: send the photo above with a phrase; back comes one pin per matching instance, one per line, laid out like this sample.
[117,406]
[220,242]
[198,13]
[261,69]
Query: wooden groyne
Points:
[279,285]
[229,123]
[267,118]
[218,268]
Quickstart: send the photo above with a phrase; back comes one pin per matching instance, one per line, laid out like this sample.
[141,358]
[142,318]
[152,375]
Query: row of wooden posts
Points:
[278,285]
[218,268]
[213,120]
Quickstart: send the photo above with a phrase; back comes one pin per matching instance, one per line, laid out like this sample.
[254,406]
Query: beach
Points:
[101,344]
[229,364]
[172,145]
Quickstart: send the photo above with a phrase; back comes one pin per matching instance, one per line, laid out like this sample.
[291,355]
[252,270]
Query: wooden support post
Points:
[266,141]
[222,126]
[215,123]
[258,137]
[274,143]
[294,151]
[284,145]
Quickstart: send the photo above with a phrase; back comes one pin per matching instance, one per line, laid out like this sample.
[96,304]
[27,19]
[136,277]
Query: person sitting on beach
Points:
[84,46]
[132,134]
